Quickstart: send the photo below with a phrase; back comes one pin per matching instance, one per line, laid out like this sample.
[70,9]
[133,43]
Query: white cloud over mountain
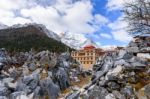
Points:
[59,16]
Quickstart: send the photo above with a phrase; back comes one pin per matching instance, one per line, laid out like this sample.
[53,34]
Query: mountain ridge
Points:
[24,37]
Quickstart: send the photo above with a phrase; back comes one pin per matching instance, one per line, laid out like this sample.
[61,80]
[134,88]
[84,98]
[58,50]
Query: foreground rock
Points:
[122,74]
[32,75]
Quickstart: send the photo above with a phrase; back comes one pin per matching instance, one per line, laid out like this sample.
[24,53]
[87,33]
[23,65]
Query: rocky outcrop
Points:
[123,74]
[33,75]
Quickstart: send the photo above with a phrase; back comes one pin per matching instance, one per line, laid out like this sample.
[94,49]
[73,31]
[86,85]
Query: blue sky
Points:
[100,7]
[99,20]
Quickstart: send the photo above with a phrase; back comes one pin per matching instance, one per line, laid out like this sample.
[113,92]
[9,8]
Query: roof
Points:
[89,47]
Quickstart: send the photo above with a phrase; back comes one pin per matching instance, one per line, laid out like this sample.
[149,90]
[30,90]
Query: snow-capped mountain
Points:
[2,26]
[24,37]
[76,41]
[89,42]
[41,27]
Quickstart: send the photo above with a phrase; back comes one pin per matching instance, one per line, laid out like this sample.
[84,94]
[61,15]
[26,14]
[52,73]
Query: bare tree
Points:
[137,14]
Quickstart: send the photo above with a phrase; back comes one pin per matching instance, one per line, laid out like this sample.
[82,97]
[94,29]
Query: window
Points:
[87,58]
[82,54]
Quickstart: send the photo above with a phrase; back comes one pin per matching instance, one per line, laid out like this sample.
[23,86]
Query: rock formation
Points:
[33,75]
[122,74]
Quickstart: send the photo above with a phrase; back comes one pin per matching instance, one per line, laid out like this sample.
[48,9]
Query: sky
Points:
[99,20]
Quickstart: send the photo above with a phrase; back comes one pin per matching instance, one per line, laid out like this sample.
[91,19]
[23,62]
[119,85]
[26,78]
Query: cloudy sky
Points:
[99,20]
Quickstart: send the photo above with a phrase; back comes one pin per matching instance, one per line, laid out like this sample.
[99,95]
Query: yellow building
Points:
[87,56]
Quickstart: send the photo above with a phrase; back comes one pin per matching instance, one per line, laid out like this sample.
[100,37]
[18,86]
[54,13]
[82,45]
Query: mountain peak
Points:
[76,41]
[89,42]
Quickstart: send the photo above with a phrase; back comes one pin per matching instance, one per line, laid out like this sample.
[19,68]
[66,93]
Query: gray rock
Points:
[132,49]
[132,44]
[1,66]
[113,86]
[31,81]
[118,95]
[16,94]
[145,49]
[50,88]
[110,96]
[147,91]
[3,97]
[62,78]
[37,92]
[23,87]
[4,91]
[108,64]
[97,93]
[128,92]
[74,95]
[15,74]
[121,54]
[32,66]
[121,62]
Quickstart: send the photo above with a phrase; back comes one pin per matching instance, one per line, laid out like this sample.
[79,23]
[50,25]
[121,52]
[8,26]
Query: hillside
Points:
[25,37]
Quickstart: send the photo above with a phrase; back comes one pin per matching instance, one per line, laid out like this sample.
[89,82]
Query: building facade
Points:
[87,56]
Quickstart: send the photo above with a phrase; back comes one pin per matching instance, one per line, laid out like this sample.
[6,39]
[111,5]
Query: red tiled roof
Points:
[89,47]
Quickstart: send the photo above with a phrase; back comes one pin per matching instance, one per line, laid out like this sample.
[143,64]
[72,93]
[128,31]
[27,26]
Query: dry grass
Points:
[144,79]
[83,81]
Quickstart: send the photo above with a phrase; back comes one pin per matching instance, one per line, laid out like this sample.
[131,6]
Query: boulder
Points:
[145,49]
[115,72]
[98,93]
[61,77]
[110,96]
[132,49]
[74,95]
[32,66]
[113,86]
[128,92]
[4,91]
[16,94]
[3,97]
[121,62]
[51,89]
[23,87]
[147,91]
[31,81]
[118,95]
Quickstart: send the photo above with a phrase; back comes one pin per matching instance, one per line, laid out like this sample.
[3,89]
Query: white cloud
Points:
[58,15]
[116,4]
[121,35]
[118,24]
[68,17]
[104,35]
[119,30]
[100,20]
